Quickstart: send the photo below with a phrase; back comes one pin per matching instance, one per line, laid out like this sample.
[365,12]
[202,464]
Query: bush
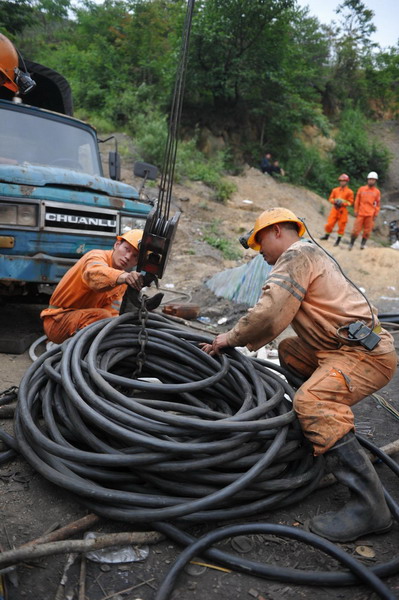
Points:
[305,166]
[149,130]
[191,163]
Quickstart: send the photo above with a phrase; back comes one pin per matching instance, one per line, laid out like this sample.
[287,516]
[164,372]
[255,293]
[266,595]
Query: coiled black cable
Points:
[216,440]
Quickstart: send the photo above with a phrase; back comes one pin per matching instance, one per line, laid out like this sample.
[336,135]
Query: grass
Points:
[216,239]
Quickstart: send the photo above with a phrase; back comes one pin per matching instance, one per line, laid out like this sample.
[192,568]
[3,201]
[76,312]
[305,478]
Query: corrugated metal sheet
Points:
[243,284]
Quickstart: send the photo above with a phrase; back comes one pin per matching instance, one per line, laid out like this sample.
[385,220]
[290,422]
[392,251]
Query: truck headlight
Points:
[8,214]
[27,215]
[18,214]
[128,223]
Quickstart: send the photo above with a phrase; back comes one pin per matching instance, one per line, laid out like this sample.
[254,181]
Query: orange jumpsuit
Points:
[339,215]
[88,292]
[367,207]
[307,290]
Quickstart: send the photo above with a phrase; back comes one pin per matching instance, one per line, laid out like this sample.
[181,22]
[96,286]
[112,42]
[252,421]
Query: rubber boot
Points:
[337,241]
[325,236]
[367,511]
[353,240]
[363,243]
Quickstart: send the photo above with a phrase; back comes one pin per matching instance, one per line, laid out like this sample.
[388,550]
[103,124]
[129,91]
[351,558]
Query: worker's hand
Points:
[217,345]
[134,279]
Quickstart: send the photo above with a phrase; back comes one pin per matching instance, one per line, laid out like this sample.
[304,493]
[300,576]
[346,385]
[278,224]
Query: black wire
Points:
[345,339]
[216,440]
[79,417]
[362,573]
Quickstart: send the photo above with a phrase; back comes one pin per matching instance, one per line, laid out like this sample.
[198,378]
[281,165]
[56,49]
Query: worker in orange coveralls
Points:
[93,288]
[341,197]
[307,290]
[367,207]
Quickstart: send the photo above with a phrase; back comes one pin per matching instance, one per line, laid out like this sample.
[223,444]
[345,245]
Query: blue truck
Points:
[55,203]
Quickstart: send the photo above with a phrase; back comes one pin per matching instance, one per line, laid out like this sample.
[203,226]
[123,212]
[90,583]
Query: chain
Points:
[142,337]
[9,395]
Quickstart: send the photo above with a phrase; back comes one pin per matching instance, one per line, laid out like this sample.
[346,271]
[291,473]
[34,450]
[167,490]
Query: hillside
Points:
[193,260]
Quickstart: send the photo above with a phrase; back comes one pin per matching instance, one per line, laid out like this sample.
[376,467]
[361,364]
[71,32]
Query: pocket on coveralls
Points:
[333,384]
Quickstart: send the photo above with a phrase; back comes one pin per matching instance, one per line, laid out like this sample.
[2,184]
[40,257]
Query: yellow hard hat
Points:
[270,217]
[133,237]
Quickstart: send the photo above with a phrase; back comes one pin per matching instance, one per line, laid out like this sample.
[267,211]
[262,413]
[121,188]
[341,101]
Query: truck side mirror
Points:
[142,169]
[114,165]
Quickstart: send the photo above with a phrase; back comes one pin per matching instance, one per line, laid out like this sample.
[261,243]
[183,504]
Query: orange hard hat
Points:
[8,64]
[133,237]
[343,177]
[270,217]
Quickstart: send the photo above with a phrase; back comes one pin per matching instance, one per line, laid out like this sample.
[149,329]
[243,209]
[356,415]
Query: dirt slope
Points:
[193,260]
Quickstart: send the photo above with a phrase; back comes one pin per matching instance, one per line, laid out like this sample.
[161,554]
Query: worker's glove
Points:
[338,203]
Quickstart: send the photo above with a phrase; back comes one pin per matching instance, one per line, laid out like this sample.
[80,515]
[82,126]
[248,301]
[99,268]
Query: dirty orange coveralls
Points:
[307,290]
[339,215]
[88,292]
[367,207]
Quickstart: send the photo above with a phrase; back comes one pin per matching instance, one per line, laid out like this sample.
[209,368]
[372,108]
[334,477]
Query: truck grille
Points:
[72,219]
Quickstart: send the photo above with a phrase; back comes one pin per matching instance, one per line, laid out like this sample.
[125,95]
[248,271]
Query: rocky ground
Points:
[29,505]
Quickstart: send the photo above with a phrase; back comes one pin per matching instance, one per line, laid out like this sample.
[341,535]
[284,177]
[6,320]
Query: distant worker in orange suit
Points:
[367,207]
[93,288]
[341,197]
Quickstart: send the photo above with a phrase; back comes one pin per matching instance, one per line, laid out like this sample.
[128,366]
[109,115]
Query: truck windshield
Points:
[27,138]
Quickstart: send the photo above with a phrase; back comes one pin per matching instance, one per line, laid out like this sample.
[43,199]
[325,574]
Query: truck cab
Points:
[55,203]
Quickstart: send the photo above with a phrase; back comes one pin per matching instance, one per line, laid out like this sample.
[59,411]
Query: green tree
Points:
[382,81]
[352,47]
[15,16]
[356,153]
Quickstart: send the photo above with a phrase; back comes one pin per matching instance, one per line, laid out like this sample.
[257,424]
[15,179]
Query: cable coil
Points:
[217,439]
[195,439]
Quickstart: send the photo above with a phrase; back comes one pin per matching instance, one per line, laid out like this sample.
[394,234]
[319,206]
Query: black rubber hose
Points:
[9,441]
[217,439]
[78,418]
[362,573]
[8,397]
[389,317]
[272,572]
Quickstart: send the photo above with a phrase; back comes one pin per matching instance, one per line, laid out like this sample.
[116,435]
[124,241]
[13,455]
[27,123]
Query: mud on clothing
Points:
[307,290]
[339,215]
[87,292]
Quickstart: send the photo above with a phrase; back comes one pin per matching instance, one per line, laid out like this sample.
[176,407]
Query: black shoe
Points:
[366,512]
[337,241]
[325,236]
[362,245]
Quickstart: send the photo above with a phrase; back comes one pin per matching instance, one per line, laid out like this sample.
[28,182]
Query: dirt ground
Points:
[30,506]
